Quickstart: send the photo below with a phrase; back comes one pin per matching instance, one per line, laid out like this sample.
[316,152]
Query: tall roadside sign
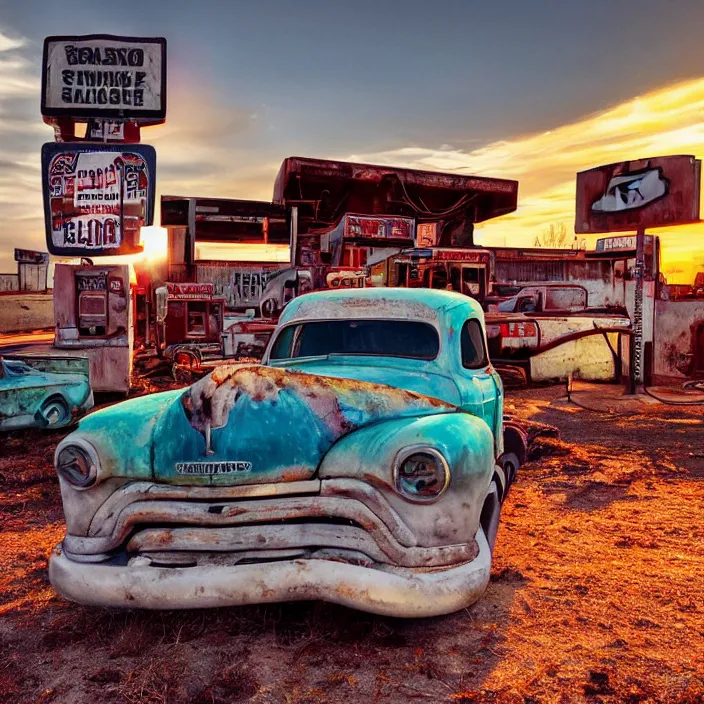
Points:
[632,196]
[99,187]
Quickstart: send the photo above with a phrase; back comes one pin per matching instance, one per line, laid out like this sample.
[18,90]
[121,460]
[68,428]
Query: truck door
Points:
[469,280]
[480,386]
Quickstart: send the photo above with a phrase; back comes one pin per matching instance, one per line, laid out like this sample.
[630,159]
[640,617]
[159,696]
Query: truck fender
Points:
[491,511]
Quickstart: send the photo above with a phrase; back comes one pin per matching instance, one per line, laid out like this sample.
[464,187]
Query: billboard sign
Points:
[97,197]
[101,75]
[364,227]
[26,256]
[634,195]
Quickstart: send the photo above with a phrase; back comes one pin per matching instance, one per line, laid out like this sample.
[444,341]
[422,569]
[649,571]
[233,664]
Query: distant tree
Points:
[555,237]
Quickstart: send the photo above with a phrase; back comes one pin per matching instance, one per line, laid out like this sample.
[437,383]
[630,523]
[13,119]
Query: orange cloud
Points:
[666,121]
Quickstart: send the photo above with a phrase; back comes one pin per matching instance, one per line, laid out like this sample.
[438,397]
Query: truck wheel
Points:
[186,358]
[510,464]
[269,307]
[53,413]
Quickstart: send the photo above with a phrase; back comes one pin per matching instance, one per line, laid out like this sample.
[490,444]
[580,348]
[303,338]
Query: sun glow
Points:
[663,122]
[155,242]
[239,252]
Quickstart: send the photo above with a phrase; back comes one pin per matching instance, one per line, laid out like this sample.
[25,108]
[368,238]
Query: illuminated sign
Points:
[101,75]
[183,291]
[97,197]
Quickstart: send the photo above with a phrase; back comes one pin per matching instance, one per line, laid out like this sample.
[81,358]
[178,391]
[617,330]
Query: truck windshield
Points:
[14,367]
[508,306]
[383,338]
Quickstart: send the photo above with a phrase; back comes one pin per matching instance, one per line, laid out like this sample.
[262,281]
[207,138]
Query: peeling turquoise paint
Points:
[281,422]
[478,391]
[26,394]
[123,434]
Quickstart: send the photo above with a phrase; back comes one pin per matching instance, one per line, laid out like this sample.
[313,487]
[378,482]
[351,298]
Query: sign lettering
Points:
[212,468]
[619,244]
[183,291]
[361,227]
[96,198]
[90,283]
[101,75]
[116,285]
[26,256]
[239,286]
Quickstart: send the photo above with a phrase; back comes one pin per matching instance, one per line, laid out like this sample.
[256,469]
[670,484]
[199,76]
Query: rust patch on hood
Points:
[343,404]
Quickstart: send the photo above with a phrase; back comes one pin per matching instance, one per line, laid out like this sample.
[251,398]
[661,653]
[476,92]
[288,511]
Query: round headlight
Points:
[421,474]
[76,465]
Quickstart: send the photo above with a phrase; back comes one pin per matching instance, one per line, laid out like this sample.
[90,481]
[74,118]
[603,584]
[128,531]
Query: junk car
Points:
[43,392]
[363,463]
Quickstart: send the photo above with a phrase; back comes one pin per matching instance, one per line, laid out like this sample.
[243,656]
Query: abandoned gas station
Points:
[372,476]
[361,225]
[552,314]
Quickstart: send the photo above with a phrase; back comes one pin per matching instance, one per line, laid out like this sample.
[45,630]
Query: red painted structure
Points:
[323,191]
[190,314]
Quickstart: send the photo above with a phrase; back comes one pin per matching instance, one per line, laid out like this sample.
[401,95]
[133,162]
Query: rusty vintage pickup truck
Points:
[364,463]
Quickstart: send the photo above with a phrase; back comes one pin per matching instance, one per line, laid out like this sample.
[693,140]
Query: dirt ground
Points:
[596,594]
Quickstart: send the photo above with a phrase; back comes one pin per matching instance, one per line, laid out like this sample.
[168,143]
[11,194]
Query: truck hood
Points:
[248,424]
[401,374]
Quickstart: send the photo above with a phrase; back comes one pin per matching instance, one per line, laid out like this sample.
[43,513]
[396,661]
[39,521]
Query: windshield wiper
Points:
[307,358]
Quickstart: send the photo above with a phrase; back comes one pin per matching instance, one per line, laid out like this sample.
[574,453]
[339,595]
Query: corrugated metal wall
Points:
[241,286]
[9,282]
[520,270]
[508,271]
[32,276]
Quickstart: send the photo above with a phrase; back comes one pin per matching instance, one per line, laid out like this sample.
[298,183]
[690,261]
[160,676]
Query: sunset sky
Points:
[534,91]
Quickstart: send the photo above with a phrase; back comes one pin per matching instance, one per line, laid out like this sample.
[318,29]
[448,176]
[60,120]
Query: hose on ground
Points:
[697,402]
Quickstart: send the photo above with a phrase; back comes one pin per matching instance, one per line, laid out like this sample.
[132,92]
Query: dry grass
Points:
[596,595]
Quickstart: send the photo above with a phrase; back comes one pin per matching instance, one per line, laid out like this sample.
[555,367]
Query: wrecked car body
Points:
[552,348]
[363,463]
[43,391]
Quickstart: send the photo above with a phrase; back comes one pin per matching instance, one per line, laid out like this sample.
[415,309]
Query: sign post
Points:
[636,375]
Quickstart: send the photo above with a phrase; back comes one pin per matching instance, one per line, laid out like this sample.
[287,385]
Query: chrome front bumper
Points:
[389,591]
